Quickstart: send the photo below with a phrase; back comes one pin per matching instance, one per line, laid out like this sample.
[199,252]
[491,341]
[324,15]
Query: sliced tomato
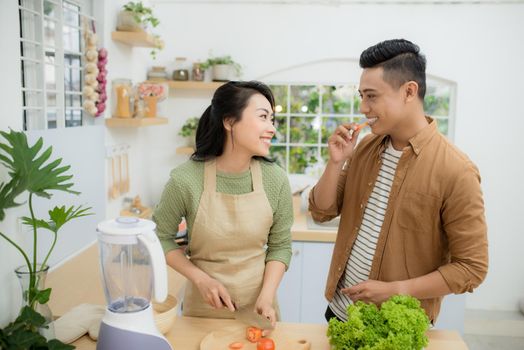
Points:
[253,334]
[236,345]
[266,344]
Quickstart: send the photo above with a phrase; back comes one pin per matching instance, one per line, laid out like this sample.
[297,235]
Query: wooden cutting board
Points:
[220,340]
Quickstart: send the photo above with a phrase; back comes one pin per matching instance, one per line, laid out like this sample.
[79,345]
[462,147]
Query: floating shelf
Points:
[185,150]
[141,39]
[194,85]
[134,122]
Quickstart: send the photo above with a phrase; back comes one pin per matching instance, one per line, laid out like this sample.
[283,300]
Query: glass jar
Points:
[181,72]
[157,73]
[197,73]
[123,92]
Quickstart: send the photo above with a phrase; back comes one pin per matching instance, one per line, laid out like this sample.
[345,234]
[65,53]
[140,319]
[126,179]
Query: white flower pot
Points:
[222,72]
[127,23]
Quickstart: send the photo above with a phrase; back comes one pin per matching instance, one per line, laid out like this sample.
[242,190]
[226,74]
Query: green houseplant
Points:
[31,171]
[136,17]
[188,130]
[222,67]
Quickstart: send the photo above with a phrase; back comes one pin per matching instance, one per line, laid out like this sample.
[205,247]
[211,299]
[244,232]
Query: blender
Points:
[133,267]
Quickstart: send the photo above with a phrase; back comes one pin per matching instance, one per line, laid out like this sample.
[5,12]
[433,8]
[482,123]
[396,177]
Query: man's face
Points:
[382,104]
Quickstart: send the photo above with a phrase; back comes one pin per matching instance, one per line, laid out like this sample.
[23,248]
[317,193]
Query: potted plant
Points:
[222,67]
[151,94]
[32,172]
[136,17]
[189,130]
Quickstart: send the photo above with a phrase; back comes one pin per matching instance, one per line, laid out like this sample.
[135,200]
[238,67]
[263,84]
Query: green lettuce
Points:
[399,324]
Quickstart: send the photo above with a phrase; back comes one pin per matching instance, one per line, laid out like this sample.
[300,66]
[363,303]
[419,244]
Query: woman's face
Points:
[254,131]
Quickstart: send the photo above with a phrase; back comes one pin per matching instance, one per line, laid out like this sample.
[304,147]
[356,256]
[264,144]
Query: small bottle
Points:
[180,72]
[197,72]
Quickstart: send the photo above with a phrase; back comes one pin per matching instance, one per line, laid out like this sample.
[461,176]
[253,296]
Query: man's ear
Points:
[228,123]
[411,90]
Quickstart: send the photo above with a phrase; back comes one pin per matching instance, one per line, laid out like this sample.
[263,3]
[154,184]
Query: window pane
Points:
[30,50]
[73,117]
[337,99]
[30,25]
[30,4]
[51,100]
[51,118]
[280,93]
[72,79]
[49,33]
[50,77]
[329,124]
[436,102]
[304,130]
[304,99]
[50,9]
[324,154]
[71,16]
[31,99]
[73,100]
[278,153]
[300,158]
[33,119]
[281,126]
[356,104]
[71,39]
[30,78]
[443,126]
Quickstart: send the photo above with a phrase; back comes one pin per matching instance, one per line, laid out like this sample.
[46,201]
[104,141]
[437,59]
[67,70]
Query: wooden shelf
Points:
[134,122]
[194,85]
[185,150]
[140,39]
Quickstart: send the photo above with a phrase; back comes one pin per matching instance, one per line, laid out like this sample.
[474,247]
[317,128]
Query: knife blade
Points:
[246,315]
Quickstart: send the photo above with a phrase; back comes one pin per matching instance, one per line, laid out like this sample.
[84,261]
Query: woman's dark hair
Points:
[401,61]
[229,101]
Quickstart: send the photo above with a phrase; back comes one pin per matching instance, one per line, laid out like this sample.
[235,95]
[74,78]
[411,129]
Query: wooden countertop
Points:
[78,281]
[300,231]
[188,332]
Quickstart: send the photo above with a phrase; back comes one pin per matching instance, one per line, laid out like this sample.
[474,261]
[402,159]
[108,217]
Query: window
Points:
[51,48]
[307,114]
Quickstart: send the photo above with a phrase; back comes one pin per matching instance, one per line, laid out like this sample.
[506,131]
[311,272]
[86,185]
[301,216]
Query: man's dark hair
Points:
[401,61]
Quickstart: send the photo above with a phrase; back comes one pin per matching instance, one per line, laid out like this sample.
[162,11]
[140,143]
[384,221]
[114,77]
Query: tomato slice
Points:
[266,344]
[236,345]
[253,334]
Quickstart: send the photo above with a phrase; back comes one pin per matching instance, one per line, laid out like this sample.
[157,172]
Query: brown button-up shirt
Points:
[434,219]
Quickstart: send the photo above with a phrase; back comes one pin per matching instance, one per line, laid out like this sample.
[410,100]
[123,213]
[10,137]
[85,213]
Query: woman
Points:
[238,208]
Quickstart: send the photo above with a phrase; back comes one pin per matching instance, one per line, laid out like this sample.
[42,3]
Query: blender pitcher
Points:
[133,268]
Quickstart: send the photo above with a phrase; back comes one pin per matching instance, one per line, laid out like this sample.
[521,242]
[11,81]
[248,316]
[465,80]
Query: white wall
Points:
[477,46]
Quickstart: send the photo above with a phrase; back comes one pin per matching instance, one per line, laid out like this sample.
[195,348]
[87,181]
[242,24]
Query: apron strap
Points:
[256,176]
[210,176]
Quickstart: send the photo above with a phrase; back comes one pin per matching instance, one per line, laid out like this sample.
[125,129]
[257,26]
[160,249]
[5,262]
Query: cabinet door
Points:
[289,291]
[315,267]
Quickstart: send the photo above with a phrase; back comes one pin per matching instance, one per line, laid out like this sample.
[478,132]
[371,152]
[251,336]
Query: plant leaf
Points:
[30,317]
[31,167]
[38,223]
[60,215]
[42,296]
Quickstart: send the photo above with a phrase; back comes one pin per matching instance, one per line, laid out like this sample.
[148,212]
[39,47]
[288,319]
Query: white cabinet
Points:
[452,312]
[301,293]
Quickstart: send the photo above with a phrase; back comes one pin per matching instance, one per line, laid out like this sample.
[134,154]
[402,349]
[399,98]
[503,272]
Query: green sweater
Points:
[181,198]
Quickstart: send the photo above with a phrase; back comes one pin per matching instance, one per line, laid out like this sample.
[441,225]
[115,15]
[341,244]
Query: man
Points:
[412,214]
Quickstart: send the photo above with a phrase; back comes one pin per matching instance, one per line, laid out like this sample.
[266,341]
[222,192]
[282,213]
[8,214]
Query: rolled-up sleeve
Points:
[464,223]
[326,214]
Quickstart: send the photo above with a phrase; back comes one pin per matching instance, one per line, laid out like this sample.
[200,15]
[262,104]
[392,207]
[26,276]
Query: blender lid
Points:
[125,225]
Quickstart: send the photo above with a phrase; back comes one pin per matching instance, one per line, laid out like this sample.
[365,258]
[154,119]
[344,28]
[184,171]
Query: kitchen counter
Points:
[78,281]
[301,232]
[188,332]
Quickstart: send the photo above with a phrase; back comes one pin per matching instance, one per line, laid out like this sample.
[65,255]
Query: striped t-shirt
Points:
[358,266]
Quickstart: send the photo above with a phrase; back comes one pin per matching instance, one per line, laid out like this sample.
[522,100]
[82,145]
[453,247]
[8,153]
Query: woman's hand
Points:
[264,307]
[214,293]
[342,142]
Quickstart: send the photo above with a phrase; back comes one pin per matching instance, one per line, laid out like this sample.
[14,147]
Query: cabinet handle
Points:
[296,252]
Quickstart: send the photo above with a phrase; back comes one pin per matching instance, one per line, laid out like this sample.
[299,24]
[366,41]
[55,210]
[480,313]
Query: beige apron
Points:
[228,241]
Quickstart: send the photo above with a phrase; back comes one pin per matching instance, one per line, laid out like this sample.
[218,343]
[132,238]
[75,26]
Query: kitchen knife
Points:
[246,315]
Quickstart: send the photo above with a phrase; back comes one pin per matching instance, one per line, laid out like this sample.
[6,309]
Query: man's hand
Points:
[372,291]
[342,142]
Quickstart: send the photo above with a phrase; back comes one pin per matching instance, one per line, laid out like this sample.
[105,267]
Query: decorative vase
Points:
[24,277]
[151,102]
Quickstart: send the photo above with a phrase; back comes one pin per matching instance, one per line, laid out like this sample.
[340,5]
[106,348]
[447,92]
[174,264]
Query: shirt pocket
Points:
[419,221]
